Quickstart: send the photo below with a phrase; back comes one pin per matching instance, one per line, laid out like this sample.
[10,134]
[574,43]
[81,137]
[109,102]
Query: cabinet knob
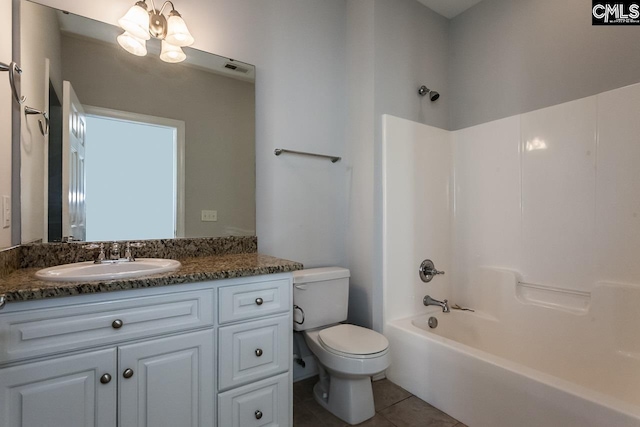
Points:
[128,373]
[117,324]
[258,352]
[105,379]
[258,414]
[259,301]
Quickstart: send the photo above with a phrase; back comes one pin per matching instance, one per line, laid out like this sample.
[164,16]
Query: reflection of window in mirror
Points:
[132,178]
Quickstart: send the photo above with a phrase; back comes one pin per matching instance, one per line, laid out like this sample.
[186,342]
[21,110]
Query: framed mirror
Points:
[136,148]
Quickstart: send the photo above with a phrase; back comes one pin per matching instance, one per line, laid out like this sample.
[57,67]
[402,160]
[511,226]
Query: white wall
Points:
[551,194]
[298,49]
[417,165]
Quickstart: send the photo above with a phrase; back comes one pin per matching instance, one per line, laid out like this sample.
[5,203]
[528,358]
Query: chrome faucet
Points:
[114,253]
[427,300]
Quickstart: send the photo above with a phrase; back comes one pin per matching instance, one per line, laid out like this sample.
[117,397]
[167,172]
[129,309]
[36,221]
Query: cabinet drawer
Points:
[241,302]
[40,332]
[265,403]
[253,350]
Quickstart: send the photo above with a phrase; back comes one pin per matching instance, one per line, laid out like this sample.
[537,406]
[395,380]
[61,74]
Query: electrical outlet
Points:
[209,216]
[6,211]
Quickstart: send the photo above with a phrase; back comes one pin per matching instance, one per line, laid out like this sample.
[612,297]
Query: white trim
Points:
[179,125]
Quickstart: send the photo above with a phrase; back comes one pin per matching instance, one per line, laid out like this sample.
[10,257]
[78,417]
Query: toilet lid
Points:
[353,339]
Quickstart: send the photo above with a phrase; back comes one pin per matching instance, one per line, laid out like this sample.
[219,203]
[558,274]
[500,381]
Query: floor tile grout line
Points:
[390,422]
[401,400]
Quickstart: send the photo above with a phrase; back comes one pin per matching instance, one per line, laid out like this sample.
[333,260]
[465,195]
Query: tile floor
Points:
[395,407]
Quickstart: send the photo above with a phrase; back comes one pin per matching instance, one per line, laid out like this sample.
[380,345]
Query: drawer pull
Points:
[128,373]
[105,379]
[259,301]
[258,414]
[117,324]
[258,352]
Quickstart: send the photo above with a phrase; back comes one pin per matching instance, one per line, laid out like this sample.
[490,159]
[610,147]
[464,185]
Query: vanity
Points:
[206,345]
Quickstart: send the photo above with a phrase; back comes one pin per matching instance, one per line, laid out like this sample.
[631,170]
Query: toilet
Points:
[347,355]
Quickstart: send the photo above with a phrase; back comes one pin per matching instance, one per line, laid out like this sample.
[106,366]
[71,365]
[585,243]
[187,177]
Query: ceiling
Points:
[449,8]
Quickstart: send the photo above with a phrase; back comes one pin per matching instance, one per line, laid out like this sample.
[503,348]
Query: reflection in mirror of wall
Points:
[207,100]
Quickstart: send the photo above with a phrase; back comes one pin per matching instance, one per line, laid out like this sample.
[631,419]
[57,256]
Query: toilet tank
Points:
[322,294]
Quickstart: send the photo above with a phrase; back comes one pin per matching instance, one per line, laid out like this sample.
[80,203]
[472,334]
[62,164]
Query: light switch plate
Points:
[209,216]
[6,211]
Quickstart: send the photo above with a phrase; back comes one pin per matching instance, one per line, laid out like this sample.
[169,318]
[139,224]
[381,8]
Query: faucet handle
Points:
[428,270]
[101,255]
[127,249]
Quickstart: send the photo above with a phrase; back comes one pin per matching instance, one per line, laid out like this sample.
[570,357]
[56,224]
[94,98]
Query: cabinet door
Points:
[254,350]
[170,382]
[60,392]
[264,403]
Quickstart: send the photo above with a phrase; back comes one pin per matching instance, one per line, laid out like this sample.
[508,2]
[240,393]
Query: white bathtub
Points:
[521,363]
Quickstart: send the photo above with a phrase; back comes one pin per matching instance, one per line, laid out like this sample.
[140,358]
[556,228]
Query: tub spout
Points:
[430,301]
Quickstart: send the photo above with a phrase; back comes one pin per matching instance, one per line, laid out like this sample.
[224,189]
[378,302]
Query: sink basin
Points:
[87,271]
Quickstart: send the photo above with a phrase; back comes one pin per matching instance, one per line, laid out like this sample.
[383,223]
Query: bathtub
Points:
[524,361]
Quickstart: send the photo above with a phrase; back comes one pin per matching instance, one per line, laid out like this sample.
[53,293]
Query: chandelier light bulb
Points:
[171,53]
[177,32]
[136,21]
[132,44]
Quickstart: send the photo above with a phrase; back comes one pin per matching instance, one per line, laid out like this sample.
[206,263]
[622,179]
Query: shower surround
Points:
[536,219]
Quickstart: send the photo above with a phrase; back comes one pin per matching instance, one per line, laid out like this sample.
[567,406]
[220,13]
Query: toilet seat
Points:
[353,341]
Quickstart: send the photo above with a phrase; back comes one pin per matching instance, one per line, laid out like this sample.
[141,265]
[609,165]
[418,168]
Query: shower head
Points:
[433,95]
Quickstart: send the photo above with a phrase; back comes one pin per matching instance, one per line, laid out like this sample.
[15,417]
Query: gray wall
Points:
[40,41]
[6,104]
[219,116]
[393,46]
[359,158]
[411,49]
[513,56]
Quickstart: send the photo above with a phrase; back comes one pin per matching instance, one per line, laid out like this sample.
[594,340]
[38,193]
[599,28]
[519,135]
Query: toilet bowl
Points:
[347,355]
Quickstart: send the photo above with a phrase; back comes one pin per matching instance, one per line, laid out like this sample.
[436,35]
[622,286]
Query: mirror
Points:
[136,148]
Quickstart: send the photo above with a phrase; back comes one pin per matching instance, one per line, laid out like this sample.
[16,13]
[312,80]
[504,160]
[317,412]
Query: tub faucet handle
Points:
[428,271]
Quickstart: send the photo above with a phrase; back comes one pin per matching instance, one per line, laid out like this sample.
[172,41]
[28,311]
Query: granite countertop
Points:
[22,285]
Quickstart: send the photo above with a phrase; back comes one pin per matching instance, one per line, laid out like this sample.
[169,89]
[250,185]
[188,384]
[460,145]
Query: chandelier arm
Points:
[165,5]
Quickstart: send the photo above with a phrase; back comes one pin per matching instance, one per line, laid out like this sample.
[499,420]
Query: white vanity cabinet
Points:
[158,357]
[254,364]
[60,391]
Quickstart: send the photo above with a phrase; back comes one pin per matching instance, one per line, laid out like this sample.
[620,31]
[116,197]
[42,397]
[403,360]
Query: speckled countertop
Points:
[22,285]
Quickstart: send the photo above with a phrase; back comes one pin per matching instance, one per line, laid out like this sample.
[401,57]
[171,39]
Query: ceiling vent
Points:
[236,68]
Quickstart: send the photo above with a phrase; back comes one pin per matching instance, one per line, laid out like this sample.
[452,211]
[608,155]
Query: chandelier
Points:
[141,23]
